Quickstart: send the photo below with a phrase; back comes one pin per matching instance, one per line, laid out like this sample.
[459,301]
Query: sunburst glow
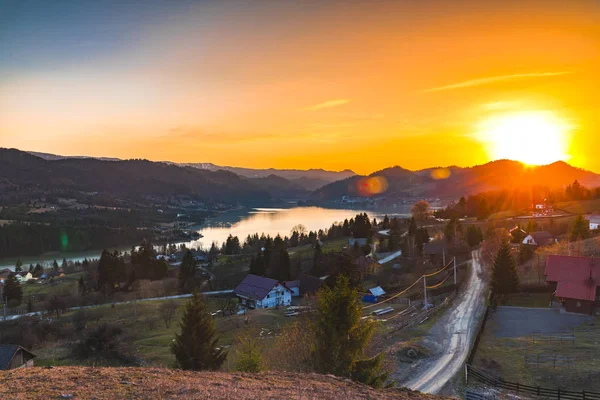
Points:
[533,138]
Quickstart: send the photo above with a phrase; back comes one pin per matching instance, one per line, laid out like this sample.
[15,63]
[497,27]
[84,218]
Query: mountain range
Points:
[454,182]
[300,180]
[22,172]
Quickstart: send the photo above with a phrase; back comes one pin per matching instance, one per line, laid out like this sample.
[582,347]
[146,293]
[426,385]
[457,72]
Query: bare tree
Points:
[299,228]
[167,311]
[420,211]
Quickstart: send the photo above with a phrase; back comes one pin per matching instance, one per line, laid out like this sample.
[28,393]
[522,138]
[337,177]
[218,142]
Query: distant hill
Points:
[157,383]
[310,179]
[453,182]
[22,172]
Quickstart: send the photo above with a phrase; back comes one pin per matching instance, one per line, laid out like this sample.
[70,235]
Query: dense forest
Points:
[20,239]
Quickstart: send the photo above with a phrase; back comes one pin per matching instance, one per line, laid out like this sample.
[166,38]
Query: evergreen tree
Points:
[341,336]
[257,264]
[195,347]
[55,267]
[421,237]
[12,293]
[111,270]
[64,265]
[474,236]
[317,253]
[386,222]
[452,231]
[81,285]
[580,230]
[412,227]
[19,266]
[505,278]
[187,270]
[29,305]
[214,250]
[146,265]
[232,245]
[38,271]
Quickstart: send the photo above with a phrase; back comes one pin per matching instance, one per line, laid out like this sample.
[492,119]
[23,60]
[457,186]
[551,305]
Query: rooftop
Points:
[576,277]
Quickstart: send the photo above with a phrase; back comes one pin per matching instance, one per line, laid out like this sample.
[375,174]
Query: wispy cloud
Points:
[328,104]
[494,79]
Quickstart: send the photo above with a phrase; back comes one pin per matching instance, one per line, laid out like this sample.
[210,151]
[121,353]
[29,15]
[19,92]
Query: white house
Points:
[594,221]
[23,277]
[260,292]
[541,238]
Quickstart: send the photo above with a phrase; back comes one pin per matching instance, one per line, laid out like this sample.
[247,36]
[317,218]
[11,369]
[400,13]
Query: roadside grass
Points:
[505,358]
[535,300]
[580,207]
[59,285]
[503,215]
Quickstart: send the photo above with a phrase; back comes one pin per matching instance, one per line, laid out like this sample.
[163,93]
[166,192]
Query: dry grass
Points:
[154,383]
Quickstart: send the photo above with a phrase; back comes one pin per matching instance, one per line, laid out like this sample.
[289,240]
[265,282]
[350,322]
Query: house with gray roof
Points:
[261,292]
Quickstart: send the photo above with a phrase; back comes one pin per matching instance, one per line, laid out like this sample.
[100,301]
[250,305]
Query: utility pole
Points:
[425,290]
[455,273]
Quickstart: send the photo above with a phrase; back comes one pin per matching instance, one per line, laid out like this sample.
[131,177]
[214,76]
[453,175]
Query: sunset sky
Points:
[303,84]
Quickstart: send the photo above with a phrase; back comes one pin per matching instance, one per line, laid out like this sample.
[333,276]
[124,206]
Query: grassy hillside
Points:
[155,383]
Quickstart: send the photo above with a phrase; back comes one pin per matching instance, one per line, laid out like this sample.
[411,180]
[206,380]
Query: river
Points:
[270,221]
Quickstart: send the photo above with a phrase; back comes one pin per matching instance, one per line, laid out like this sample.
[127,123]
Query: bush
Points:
[104,344]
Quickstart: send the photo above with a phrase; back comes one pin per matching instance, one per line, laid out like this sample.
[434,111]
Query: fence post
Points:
[583,392]
[467,375]
[517,387]
[558,391]
[538,390]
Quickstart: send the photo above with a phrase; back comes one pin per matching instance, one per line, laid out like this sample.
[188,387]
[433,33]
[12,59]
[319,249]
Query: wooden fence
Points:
[559,394]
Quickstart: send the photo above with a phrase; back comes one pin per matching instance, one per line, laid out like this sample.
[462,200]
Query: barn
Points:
[575,281]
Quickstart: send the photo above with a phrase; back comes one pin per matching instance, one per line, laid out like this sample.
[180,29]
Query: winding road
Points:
[454,333]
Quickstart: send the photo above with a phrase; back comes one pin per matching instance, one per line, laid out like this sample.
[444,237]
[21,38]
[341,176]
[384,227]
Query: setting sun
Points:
[534,138]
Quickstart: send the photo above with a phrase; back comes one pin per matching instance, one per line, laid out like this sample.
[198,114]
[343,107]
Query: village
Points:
[407,288]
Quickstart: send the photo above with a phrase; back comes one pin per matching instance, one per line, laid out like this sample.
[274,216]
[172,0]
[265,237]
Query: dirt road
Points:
[451,337]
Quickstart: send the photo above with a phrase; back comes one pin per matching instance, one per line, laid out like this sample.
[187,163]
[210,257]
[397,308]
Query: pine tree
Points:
[505,278]
[55,267]
[12,293]
[580,230]
[341,336]
[187,270]
[19,266]
[318,252]
[29,305]
[195,347]
[81,285]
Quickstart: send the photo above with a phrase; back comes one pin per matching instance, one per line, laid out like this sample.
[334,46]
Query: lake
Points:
[270,221]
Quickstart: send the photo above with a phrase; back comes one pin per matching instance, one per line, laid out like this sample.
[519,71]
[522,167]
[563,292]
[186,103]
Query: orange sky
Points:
[361,85]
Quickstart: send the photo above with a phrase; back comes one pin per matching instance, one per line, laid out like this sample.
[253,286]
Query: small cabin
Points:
[13,356]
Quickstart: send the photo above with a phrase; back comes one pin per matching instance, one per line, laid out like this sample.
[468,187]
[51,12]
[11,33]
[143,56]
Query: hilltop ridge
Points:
[157,383]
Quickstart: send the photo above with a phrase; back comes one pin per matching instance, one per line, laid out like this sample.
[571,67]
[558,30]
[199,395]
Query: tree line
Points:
[29,239]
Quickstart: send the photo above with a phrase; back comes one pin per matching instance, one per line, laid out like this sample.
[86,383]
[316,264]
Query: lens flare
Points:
[440,173]
[372,185]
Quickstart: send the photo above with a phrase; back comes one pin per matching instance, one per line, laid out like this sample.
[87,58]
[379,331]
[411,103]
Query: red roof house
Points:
[576,281]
